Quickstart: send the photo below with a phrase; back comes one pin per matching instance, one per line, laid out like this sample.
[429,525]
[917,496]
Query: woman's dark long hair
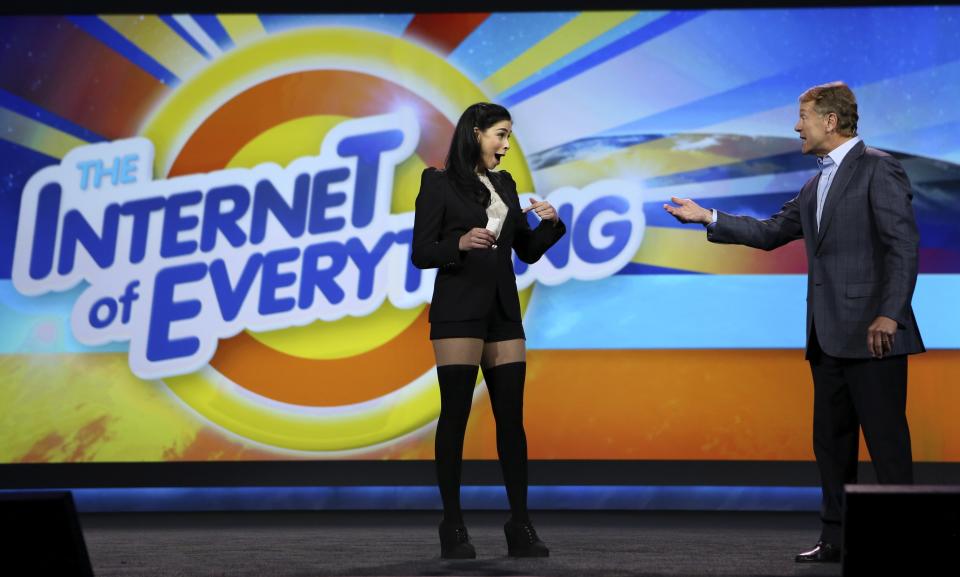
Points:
[461,164]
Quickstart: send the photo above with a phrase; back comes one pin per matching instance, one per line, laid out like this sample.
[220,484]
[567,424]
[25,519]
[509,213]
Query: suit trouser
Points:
[850,394]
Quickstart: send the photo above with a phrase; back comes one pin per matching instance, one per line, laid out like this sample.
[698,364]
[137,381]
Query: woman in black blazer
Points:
[467,220]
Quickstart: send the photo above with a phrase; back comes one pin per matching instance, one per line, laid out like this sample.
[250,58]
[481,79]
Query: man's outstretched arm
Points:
[723,228]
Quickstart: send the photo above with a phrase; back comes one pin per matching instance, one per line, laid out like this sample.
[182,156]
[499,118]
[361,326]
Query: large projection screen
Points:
[205,228]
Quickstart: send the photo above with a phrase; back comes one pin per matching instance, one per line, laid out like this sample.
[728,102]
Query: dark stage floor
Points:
[405,543]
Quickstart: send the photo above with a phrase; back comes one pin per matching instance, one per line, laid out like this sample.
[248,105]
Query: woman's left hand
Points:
[543,209]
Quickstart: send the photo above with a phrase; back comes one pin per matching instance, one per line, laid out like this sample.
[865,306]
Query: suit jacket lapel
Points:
[475,208]
[810,198]
[838,186]
[509,198]
[500,184]
[506,195]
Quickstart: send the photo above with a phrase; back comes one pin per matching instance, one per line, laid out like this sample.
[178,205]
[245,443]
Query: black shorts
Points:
[496,327]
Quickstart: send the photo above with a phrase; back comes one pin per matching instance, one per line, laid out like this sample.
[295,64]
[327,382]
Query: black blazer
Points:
[466,281]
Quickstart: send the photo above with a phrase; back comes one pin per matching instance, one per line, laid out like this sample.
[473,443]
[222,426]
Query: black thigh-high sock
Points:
[505,384]
[456,396]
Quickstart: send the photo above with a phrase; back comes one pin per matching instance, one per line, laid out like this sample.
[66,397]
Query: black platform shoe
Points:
[455,542]
[522,540]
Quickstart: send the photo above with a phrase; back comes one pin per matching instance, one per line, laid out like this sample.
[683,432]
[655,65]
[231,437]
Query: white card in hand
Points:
[493,225]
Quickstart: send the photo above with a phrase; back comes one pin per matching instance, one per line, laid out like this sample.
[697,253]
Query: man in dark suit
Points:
[858,226]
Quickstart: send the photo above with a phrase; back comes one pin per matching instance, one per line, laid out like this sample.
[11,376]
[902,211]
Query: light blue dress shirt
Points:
[829,165]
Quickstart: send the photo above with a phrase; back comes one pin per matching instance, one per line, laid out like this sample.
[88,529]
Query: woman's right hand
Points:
[477,238]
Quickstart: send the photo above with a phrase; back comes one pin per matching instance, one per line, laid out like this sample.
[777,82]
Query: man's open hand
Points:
[688,211]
